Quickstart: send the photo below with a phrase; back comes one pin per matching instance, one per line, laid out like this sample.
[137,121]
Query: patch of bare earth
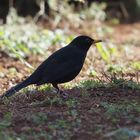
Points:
[90,120]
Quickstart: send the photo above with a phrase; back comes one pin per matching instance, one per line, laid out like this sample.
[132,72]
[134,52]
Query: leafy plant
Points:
[6,121]
[126,84]
[40,118]
[136,65]
[96,11]
[91,84]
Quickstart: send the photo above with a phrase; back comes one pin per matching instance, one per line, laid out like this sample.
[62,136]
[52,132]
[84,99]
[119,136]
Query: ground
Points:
[92,111]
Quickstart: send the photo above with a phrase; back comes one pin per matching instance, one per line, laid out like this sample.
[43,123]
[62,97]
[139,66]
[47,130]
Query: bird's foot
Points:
[63,94]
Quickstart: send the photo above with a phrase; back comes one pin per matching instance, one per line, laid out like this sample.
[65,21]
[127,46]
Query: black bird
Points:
[62,66]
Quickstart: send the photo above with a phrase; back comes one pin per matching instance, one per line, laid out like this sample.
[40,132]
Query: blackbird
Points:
[62,66]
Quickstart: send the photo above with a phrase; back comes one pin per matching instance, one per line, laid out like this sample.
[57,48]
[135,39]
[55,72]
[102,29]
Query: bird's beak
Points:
[97,41]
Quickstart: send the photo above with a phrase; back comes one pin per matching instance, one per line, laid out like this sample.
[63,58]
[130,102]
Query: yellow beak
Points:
[97,41]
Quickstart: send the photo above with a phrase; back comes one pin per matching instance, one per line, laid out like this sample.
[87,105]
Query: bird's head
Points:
[83,42]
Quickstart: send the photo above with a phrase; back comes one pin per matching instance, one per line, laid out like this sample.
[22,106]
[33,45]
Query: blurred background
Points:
[31,30]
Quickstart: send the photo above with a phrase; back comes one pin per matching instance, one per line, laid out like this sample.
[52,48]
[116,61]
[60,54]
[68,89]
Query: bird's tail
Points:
[18,87]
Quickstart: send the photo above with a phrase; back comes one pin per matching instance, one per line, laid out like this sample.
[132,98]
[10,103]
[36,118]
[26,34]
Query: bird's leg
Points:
[58,90]
[64,95]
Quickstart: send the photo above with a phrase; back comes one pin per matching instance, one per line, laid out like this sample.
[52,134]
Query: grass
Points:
[116,112]
[114,82]
[91,112]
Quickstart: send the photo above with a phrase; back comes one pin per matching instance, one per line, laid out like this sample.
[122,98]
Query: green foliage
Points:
[114,68]
[136,65]
[71,103]
[91,84]
[56,101]
[95,11]
[126,84]
[103,52]
[39,118]
[115,112]
[20,39]
[93,73]
[107,51]
[46,87]
[123,134]
[6,120]
[113,82]
[5,135]
[28,39]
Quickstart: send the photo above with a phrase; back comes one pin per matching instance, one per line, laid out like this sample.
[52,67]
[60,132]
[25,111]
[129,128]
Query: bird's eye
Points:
[88,40]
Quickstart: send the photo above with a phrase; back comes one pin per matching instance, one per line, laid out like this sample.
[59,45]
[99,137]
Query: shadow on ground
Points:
[95,113]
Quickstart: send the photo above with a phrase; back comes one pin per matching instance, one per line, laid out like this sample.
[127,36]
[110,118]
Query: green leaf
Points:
[104,52]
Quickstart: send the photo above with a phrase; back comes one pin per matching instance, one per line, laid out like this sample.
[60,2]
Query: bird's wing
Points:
[60,67]
[63,72]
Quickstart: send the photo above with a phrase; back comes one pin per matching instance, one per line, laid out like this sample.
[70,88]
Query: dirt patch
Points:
[91,113]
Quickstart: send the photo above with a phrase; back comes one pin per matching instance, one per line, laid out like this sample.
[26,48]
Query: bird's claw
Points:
[63,94]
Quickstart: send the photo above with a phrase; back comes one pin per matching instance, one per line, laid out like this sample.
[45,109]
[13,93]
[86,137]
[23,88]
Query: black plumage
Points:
[62,66]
